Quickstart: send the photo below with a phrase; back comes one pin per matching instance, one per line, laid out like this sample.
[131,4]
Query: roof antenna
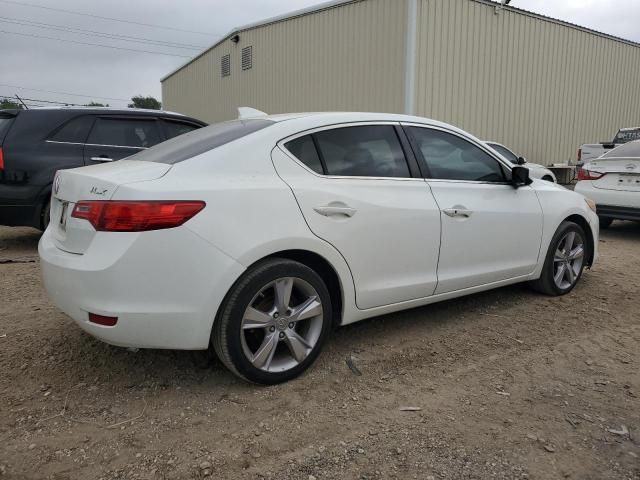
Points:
[503,3]
[23,104]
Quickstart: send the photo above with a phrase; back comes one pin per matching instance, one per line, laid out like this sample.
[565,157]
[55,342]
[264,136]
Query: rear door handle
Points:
[101,159]
[457,212]
[330,211]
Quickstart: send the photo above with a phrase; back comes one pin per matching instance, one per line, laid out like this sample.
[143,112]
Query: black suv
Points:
[36,143]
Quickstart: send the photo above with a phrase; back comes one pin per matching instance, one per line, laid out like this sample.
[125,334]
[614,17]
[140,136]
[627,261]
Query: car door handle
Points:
[330,211]
[457,212]
[101,159]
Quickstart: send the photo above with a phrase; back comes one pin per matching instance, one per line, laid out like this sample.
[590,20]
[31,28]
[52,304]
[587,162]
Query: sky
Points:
[47,69]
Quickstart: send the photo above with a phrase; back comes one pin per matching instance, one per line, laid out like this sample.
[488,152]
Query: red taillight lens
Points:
[102,320]
[1,159]
[123,216]
[584,174]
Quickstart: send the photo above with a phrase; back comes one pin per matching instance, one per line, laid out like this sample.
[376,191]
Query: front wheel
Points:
[274,322]
[565,261]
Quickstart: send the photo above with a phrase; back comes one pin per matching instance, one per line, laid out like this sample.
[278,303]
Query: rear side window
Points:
[125,133]
[5,124]
[173,128]
[200,141]
[304,150]
[450,157]
[74,131]
[366,151]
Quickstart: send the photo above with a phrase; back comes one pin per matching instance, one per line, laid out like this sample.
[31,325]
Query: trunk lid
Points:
[621,174]
[96,182]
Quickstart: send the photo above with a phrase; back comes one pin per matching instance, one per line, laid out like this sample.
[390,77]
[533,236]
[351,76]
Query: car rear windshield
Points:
[628,150]
[200,141]
[5,123]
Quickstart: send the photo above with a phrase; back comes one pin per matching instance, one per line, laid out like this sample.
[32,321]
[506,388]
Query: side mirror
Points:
[520,177]
[522,160]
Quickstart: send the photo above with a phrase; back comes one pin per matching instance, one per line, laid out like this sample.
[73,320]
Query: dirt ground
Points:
[507,384]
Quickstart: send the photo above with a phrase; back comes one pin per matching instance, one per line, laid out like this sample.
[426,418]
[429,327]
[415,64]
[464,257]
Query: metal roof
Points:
[338,3]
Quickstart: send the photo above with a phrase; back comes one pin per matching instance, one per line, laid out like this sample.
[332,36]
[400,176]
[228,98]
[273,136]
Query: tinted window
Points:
[367,151]
[5,123]
[125,133]
[505,152]
[627,150]
[199,141]
[624,136]
[74,131]
[173,129]
[304,150]
[450,157]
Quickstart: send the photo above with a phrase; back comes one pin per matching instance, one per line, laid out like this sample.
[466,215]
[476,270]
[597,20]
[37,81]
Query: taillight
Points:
[138,216]
[579,154]
[584,174]
[1,159]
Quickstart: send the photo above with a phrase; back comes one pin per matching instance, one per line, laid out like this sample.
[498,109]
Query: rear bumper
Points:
[164,287]
[620,213]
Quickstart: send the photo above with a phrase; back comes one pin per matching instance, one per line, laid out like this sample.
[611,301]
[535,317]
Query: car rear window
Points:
[628,150]
[199,141]
[5,123]
[628,135]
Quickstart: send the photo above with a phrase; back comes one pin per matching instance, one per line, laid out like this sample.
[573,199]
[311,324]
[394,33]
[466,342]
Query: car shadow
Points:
[621,230]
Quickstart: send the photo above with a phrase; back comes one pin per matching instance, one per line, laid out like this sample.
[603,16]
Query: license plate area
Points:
[62,221]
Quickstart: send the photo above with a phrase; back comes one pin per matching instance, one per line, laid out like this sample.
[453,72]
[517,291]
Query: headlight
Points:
[591,203]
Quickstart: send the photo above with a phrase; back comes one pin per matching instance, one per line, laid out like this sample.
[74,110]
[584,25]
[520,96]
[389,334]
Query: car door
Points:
[116,137]
[491,231]
[360,190]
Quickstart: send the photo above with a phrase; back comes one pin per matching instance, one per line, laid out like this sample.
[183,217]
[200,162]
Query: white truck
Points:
[589,151]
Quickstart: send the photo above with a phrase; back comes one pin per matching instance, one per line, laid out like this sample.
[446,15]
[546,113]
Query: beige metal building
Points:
[538,85]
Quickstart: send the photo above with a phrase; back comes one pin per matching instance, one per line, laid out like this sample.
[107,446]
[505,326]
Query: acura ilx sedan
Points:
[259,235]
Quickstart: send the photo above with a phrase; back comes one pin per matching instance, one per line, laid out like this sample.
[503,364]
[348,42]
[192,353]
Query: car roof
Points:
[114,110]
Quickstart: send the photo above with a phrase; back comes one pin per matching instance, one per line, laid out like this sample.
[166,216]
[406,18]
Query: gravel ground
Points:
[507,384]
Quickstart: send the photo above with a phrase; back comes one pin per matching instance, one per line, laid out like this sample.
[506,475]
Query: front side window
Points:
[450,157]
[125,133]
[366,151]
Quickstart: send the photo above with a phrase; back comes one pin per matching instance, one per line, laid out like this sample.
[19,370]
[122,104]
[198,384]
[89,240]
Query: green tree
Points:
[5,103]
[145,102]
[96,104]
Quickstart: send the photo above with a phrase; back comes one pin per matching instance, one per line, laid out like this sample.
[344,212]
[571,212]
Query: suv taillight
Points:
[136,216]
[584,174]
[1,160]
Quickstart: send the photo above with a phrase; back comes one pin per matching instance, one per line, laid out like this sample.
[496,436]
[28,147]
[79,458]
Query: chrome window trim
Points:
[335,126]
[96,145]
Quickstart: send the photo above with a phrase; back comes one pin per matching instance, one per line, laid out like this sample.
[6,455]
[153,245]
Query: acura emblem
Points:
[56,185]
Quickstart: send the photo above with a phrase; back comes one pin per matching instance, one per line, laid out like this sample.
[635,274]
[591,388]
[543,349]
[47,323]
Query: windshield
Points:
[628,150]
[199,141]
[627,135]
[505,152]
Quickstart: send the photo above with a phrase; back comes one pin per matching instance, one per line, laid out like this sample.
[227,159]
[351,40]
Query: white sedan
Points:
[259,235]
[536,170]
[613,182]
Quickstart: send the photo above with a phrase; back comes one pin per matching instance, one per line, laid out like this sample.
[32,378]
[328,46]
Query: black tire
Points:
[545,284]
[45,216]
[605,222]
[226,335]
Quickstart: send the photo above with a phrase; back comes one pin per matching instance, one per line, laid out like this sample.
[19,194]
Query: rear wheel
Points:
[274,322]
[605,222]
[565,261]
[45,216]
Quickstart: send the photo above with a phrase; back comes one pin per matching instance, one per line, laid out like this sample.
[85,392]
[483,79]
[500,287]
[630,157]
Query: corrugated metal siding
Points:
[537,86]
[349,57]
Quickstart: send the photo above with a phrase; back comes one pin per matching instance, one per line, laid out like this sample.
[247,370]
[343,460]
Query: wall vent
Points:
[225,65]
[247,58]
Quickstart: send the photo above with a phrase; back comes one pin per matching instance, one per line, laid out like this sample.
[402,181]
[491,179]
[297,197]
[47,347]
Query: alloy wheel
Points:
[568,260]
[282,324]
